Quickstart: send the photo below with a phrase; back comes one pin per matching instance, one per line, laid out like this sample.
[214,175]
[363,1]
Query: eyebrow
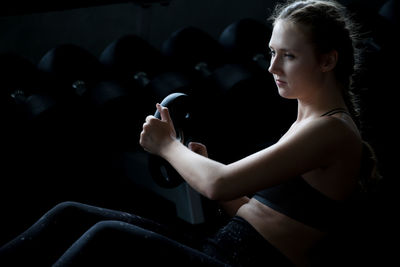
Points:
[282,49]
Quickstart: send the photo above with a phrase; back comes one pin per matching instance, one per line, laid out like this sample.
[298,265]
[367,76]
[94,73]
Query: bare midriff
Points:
[294,239]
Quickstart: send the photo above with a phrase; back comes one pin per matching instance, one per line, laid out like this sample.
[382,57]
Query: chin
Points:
[284,93]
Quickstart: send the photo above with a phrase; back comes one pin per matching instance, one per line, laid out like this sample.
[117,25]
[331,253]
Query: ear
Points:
[329,60]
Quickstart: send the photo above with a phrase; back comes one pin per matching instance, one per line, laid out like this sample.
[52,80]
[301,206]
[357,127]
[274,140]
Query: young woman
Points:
[300,186]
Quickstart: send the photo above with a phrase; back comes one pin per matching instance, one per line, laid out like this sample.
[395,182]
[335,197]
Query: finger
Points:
[193,146]
[141,140]
[161,110]
[165,116]
[159,107]
[148,118]
[198,148]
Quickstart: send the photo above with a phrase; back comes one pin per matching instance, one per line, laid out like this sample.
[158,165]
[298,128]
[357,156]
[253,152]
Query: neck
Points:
[322,100]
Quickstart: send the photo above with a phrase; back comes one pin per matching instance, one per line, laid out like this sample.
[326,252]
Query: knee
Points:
[109,229]
[104,236]
[102,244]
[104,228]
[66,205]
[64,209]
[108,232]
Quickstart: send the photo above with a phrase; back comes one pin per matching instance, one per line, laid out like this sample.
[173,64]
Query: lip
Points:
[280,82]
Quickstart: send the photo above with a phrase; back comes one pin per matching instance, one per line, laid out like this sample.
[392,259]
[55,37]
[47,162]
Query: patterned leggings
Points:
[75,234]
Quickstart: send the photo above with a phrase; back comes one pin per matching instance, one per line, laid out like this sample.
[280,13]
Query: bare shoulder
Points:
[327,129]
[323,137]
[340,129]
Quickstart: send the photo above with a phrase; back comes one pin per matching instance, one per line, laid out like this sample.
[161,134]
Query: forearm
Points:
[201,173]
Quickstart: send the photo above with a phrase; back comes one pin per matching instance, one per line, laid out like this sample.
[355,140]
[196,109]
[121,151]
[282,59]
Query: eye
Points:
[289,56]
[272,53]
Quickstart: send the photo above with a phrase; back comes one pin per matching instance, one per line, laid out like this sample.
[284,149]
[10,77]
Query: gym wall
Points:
[31,35]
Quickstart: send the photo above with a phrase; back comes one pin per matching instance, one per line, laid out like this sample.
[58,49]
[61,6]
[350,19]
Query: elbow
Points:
[215,185]
[211,194]
[216,190]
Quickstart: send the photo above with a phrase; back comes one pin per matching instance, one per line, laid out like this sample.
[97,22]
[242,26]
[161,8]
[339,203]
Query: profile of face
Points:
[294,64]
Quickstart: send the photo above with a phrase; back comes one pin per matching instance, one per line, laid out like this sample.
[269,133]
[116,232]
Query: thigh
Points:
[115,243]
[54,232]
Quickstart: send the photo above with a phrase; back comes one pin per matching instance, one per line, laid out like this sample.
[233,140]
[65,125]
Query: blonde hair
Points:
[330,28]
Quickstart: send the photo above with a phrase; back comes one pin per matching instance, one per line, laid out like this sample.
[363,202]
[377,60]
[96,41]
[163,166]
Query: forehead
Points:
[287,35]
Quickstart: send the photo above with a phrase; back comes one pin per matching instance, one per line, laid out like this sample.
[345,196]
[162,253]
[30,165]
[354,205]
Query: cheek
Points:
[294,74]
[301,75]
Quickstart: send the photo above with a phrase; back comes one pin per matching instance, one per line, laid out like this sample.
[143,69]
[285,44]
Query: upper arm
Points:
[314,145]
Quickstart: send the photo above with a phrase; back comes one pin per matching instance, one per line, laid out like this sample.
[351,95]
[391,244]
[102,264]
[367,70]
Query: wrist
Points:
[169,147]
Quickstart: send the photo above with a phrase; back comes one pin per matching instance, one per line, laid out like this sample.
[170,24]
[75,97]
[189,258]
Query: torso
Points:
[294,239]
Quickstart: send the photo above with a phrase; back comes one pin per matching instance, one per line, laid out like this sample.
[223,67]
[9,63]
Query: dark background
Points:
[97,25]
[31,29]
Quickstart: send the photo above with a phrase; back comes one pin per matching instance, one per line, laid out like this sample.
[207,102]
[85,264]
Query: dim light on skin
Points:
[294,62]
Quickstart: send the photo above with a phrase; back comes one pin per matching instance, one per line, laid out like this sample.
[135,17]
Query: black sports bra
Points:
[302,202]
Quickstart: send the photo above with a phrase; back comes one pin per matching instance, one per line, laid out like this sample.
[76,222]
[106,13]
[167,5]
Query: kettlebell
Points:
[179,108]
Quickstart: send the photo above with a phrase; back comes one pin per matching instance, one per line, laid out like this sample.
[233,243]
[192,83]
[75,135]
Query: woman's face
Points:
[294,63]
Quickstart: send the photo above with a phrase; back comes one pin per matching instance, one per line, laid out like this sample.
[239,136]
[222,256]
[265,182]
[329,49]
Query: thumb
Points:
[164,112]
[165,116]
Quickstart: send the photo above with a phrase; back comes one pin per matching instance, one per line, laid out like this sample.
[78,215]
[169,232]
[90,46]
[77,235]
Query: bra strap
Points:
[334,111]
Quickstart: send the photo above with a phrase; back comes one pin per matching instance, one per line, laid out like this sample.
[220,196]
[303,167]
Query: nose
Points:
[274,65]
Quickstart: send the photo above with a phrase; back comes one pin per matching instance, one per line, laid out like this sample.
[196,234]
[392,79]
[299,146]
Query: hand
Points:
[198,148]
[156,133]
